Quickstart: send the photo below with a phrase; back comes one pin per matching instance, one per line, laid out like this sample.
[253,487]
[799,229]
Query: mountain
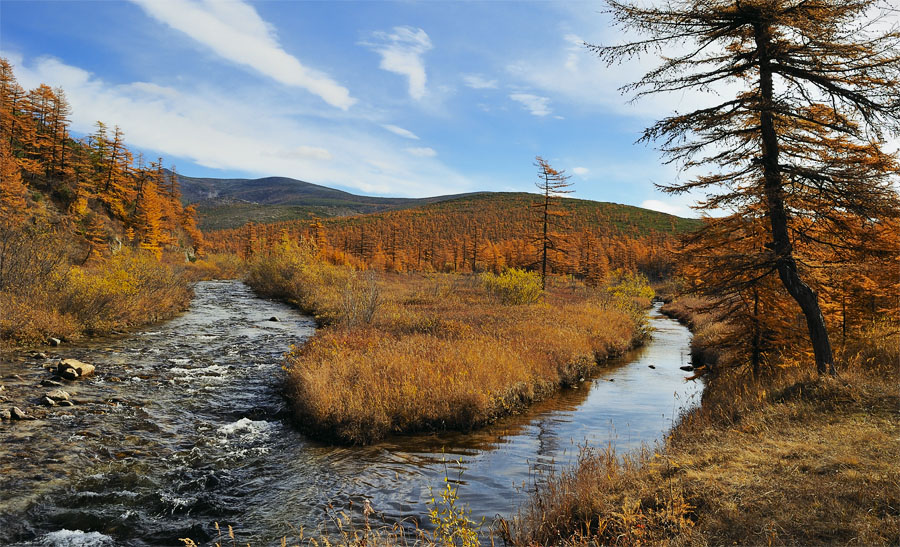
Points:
[229,203]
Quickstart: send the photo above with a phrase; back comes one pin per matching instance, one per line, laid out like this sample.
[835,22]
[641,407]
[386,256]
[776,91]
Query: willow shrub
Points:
[60,300]
[513,286]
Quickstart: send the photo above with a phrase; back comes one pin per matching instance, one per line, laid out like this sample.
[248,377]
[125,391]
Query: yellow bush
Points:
[513,286]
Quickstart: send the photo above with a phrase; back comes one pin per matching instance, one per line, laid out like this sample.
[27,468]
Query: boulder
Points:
[81,369]
[54,342]
[47,401]
[57,395]
[273,318]
[18,414]
[65,403]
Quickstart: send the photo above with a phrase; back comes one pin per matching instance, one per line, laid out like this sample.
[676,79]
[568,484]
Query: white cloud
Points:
[307,153]
[571,72]
[477,81]
[581,171]
[667,207]
[538,106]
[400,131]
[423,152]
[235,31]
[188,123]
[401,53]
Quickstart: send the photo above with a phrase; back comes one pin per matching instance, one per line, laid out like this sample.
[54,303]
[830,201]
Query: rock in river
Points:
[54,342]
[57,395]
[18,414]
[71,369]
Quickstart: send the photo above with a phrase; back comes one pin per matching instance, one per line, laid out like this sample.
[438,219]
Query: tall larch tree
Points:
[552,184]
[800,145]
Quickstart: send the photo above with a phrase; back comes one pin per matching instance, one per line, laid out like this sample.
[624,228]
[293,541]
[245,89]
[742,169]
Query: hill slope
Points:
[481,231]
[229,203]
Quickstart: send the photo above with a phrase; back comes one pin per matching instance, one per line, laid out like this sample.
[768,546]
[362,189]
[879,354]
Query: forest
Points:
[465,316]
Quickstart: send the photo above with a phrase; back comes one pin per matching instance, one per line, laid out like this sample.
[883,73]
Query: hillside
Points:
[230,203]
[478,232]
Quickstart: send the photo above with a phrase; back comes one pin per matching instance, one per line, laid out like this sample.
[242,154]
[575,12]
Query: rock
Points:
[81,369]
[65,403]
[47,401]
[273,318]
[687,368]
[5,414]
[51,383]
[57,395]
[54,342]
[18,413]
[69,374]
[39,355]
[651,366]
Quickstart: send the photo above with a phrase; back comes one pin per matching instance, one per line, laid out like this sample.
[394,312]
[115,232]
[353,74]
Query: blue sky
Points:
[393,99]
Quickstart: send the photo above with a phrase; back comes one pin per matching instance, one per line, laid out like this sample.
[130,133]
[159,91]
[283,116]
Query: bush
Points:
[513,286]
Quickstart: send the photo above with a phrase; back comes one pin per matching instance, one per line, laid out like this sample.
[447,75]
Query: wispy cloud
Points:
[422,152]
[581,171]
[406,133]
[235,31]
[187,124]
[538,106]
[477,81]
[667,207]
[401,53]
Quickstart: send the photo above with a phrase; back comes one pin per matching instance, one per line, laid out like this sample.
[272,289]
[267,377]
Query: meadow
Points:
[403,353]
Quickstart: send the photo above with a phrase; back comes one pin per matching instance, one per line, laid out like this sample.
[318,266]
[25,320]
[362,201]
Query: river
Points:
[185,425]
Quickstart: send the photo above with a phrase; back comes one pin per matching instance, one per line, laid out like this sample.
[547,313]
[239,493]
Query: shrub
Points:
[513,286]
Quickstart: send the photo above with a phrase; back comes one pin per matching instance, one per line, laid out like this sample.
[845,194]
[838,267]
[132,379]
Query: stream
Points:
[184,425]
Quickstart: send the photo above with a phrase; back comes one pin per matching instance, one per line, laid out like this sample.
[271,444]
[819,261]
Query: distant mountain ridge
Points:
[229,203]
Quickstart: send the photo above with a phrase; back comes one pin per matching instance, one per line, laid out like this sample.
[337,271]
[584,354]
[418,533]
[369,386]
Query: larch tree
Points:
[801,144]
[552,184]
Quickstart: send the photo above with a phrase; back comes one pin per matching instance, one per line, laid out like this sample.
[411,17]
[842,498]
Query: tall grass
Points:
[42,295]
[782,458]
[431,352]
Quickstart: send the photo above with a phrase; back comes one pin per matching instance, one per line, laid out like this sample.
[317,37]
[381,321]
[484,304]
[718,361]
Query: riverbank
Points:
[67,303]
[786,459]
[408,353]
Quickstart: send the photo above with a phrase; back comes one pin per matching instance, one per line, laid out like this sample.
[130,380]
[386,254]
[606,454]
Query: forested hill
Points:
[230,203]
[478,232]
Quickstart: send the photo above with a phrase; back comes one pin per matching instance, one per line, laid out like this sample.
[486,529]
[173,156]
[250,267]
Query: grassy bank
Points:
[407,353]
[786,459]
[45,296]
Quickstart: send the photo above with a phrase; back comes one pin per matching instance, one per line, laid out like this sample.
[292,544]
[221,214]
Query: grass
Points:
[47,297]
[787,458]
[405,353]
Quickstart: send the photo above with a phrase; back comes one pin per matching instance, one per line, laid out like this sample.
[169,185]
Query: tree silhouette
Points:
[800,146]
[552,184]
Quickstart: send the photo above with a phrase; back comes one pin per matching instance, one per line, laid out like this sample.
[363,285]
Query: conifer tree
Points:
[552,184]
[801,146]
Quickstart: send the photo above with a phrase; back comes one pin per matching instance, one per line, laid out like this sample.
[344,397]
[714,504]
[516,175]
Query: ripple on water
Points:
[76,538]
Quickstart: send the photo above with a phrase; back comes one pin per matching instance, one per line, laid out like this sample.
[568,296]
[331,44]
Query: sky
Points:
[407,99]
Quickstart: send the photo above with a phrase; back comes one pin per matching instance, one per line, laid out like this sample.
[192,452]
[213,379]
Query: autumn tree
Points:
[800,146]
[552,184]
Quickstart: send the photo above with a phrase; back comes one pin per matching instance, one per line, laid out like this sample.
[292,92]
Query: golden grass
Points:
[784,459]
[439,352]
[128,289]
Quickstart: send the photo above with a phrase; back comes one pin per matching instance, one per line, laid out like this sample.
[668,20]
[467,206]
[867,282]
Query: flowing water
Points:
[184,425]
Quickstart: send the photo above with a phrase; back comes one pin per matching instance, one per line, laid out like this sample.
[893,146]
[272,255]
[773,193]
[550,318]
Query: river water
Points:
[185,425]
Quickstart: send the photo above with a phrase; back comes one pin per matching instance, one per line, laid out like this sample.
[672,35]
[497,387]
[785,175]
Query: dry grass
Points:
[129,289]
[217,266]
[439,353]
[787,459]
